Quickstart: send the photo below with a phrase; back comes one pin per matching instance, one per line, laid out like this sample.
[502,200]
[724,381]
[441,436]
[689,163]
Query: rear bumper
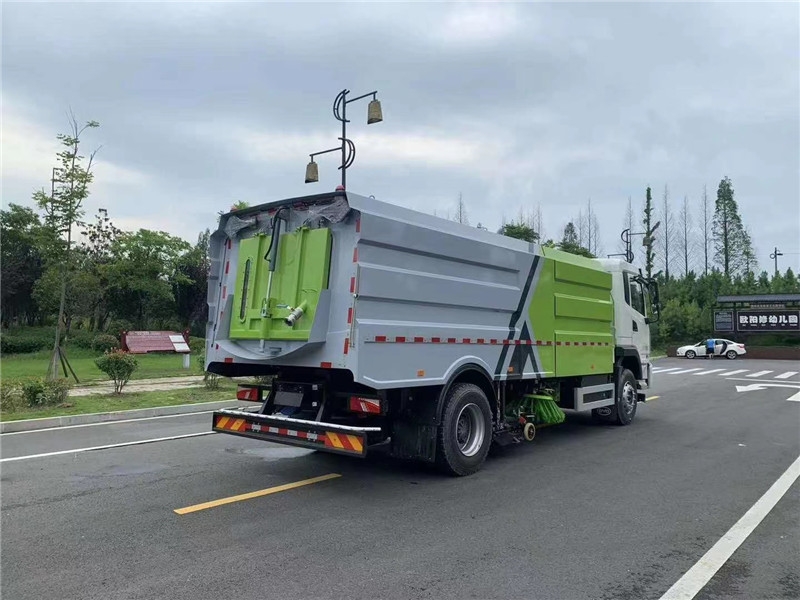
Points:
[327,437]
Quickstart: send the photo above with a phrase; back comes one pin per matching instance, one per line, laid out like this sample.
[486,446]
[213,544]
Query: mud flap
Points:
[413,441]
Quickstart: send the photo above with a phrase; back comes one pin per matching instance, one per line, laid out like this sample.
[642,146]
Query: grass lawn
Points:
[127,401]
[17,366]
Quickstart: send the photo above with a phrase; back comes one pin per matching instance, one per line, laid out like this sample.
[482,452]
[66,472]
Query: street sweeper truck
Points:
[372,324]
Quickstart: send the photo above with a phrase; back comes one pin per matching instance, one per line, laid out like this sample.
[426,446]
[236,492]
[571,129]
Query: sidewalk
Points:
[120,415]
[139,385]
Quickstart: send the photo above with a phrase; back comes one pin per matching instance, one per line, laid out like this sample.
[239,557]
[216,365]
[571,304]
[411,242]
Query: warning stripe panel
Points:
[329,439]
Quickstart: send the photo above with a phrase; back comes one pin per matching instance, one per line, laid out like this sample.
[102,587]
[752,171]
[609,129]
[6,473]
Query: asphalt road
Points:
[585,511]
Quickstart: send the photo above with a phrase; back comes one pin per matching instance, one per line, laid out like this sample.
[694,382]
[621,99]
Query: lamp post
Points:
[647,240]
[348,148]
[775,256]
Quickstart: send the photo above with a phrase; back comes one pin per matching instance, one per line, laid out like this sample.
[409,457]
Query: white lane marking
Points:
[765,385]
[106,447]
[666,370]
[759,373]
[766,381]
[736,372]
[704,569]
[203,412]
[786,375]
[684,371]
[707,372]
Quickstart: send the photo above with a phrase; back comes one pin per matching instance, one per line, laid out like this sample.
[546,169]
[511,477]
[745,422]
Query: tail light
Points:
[370,406]
[247,393]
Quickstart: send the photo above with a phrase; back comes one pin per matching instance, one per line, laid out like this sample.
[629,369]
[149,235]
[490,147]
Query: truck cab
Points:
[634,309]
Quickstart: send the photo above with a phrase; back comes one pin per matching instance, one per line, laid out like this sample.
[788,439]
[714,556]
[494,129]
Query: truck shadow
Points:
[576,429]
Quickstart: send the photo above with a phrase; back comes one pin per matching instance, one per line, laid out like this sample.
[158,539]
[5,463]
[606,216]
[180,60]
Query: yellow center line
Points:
[257,494]
[653,398]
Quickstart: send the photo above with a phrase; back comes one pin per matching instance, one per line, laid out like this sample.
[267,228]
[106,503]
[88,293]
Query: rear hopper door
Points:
[301,274]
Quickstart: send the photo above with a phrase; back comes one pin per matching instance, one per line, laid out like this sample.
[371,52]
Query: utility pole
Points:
[775,256]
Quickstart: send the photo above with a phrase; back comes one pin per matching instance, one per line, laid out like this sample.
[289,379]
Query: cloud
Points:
[513,104]
[29,153]
[477,24]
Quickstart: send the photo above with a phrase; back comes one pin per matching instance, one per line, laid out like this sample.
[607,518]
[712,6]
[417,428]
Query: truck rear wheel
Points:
[465,431]
[623,410]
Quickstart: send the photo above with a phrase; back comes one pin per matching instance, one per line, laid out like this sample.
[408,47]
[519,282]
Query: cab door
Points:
[640,334]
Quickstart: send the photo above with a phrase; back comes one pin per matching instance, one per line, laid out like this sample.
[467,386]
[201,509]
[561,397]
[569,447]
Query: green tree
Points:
[82,288]
[569,242]
[748,261]
[192,290]
[63,208]
[20,230]
[142,274]
[520,231]
[790,282]
[732,245]
[764,284]
[647,221]
[99,238]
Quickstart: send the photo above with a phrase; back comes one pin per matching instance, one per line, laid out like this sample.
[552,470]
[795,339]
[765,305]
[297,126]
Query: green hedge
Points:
[24,340]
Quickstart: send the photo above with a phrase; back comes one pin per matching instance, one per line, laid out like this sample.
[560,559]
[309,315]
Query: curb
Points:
[121,415]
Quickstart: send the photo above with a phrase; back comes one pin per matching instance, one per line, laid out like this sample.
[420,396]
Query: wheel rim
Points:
[690,354]
[628,403]
[470,429]
[731,354]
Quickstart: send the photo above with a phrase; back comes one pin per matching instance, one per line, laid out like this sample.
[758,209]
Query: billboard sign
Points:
[723,320]
[767,320]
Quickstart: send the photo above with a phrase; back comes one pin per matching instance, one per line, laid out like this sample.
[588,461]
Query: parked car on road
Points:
[725,348]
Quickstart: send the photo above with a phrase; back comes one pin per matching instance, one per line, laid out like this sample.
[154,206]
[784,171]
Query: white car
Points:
[725,348]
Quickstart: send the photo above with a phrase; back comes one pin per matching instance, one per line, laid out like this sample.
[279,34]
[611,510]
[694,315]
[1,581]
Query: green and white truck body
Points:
[383,325]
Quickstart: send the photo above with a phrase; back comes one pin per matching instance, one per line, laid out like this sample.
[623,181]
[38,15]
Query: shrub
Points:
[210,380]
[10,395]
[117,326]
[197,345]
[119,366]
[104,343]
[79,338]
[40,392]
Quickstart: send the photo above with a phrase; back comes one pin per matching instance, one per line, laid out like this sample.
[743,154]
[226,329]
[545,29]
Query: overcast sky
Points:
[512,105]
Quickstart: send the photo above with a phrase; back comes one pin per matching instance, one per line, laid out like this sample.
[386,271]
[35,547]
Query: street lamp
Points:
[775,256]
[647,240]
[348,149]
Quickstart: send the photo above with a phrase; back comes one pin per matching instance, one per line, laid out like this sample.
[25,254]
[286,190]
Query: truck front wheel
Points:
[623,410]
[465,430]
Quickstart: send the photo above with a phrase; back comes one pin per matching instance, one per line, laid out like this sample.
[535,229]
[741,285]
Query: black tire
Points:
[623,410]
[731,354]
[465,431]
[691,354]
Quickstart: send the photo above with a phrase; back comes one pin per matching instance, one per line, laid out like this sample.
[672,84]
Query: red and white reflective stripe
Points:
[250,394]
[365,405]
[303,435]
[477,341]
